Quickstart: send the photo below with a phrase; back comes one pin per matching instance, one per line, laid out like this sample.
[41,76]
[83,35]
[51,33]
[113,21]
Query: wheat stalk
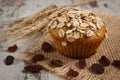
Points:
[34,18]
[27,26]
[30,24]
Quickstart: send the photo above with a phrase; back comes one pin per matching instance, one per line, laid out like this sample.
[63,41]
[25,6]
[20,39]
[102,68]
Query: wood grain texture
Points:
[9,10]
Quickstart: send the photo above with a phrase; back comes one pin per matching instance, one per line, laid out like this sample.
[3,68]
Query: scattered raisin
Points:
[97,69]
[12,48]
[72,73]
[94,3]
[46,47]
[33,68]
[82,63]
[38,57]
[9,60]
[57,63]
[116,63]
[104,61]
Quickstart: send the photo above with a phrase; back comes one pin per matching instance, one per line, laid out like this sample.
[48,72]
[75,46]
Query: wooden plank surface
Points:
[13,9]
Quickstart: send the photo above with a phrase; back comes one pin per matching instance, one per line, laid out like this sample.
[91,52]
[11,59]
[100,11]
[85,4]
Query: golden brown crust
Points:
[102,32]
[72,41]
[73,23]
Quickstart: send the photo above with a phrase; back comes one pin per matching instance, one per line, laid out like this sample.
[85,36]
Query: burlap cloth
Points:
[110,47]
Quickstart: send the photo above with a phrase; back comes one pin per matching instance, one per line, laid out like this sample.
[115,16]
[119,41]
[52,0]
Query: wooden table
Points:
[13,9]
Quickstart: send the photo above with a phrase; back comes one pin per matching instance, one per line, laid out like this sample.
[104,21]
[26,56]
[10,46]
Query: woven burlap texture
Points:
[110,47]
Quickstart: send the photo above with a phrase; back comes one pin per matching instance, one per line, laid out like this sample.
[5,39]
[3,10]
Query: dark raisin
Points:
[33,68]
[46,47]
[94,3]
[97,69]
[38,57]
[116,63]
[82,63]
[104,61]
[12,48]
[57,63]
[9,60]
[72,73]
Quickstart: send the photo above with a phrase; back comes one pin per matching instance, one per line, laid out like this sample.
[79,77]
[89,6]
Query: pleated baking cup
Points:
[78,49]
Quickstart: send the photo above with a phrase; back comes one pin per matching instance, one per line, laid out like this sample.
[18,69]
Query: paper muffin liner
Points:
[78,49]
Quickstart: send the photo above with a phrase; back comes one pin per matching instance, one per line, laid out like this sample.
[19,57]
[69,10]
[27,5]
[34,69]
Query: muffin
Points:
[76,32]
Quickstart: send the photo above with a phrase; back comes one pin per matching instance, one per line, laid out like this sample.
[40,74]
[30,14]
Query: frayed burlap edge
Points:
[109,48]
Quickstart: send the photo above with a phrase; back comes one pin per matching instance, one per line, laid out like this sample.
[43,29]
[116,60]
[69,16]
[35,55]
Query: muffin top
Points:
[73,23]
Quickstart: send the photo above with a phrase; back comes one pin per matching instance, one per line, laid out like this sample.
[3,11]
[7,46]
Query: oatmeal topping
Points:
[64,43]
[76,35]
[61,33]
[90,33]
[60,25]
[54,25]
[74,23]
